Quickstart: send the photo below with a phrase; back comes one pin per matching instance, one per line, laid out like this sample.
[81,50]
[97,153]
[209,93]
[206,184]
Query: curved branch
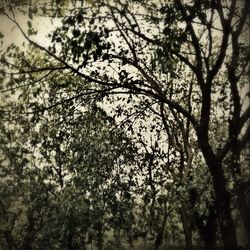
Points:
[68,66]
[195,43]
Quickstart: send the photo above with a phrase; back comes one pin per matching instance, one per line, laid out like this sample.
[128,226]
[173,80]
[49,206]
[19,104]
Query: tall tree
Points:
[153,48]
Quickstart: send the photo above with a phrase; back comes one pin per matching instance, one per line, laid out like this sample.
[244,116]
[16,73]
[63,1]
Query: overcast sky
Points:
[12,34]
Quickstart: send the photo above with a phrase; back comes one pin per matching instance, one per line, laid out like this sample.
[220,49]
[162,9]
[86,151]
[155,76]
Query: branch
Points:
[243,187]
[246,138]
[223,152]
[226,24]
[153,84]
[170,136]
[186,61]
[71,99]
[26,85]
[159,95]
[210,39]
[124,35]
[74,70]
[36,70]
[158,43]
[195,43]
[243,19]
[244,118]
[146,38]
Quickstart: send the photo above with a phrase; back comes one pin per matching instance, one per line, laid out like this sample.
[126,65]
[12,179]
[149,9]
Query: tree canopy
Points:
[135,107]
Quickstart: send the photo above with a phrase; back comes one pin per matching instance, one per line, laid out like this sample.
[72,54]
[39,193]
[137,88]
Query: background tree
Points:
[62,165]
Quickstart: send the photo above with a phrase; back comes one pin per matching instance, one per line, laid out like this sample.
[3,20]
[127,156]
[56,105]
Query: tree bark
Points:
[99,236]
[244,210]
[207,228]
[222,205]
[30,234]
[187,227]
[241,189]
[9,239]
[70,241]
[160,234]
[222,196]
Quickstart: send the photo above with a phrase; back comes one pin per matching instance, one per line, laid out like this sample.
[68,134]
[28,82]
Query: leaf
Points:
[76,33]
[30,14]
[29,24]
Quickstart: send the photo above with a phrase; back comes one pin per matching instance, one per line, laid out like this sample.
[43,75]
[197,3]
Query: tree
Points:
[50,171]
[145,48]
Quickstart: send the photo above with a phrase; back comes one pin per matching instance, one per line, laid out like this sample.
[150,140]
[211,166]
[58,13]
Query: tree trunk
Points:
[70,241]
[207,228]
[222,196]
[241,188]
[99,236]
[188,239]
[187,227]
[222,204]
[9,240]
[160,234]
[244,212]
[30,234]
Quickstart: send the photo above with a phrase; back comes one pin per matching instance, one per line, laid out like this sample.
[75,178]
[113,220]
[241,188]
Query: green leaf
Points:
[29,24]
[30,14]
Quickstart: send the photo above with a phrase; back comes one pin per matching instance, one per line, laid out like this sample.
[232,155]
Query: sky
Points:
[12,33]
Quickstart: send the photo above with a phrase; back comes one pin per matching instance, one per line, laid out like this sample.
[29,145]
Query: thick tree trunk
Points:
[188,239]
[222,205]
[160,234]
[30,234]
[241,188]
[9,240]
[222,196]
[244,209]
[207,228]
[158,240]
[187,227]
